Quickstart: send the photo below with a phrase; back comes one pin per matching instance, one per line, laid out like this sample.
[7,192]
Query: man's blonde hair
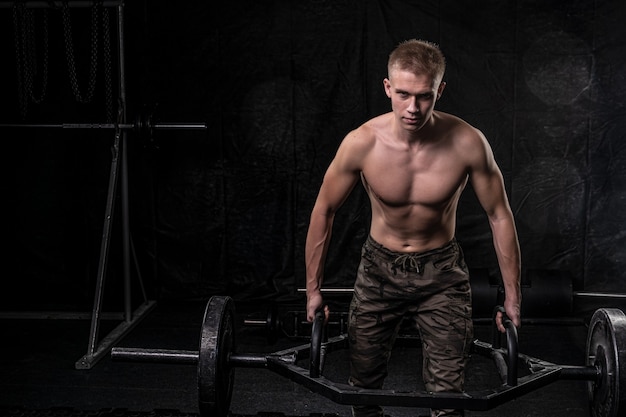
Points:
[419,57]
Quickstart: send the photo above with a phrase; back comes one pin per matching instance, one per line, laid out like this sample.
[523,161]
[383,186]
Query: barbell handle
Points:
[317,333]
[191,357]
[512,352]
[511,344]
[177,126]
[155,355]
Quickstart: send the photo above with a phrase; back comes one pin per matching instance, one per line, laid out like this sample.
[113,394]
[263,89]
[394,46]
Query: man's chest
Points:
[408,181]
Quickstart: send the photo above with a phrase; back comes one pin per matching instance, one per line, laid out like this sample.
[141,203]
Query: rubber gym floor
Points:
[39,378]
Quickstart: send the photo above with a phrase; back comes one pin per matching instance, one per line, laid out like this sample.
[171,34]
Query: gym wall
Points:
[278,83]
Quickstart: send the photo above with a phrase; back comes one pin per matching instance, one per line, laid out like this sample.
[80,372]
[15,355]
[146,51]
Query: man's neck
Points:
[423,135]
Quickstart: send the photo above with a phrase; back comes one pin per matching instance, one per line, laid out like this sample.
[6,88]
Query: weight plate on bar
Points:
[272,324]
[217,342]
[606,350]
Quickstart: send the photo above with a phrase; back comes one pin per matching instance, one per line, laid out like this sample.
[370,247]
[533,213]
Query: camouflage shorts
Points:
[430,289]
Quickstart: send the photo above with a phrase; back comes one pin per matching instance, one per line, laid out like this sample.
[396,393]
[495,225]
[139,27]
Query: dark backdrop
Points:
[278,84]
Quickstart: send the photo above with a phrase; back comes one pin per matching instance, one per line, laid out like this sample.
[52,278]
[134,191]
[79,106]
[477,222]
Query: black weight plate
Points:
[217,342]
[606,350]
[272,325]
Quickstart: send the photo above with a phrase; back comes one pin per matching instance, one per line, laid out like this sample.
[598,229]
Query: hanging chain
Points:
[32,58]
[26,55]
[69,51]
[108,83]
[21,93]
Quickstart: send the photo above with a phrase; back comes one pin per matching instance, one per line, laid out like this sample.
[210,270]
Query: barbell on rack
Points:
[545,293]
[143,124]
[548,293]
[271,324]
[604,368]
[292,323]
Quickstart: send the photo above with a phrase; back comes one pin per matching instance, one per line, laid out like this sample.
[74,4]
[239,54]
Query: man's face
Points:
[412,97]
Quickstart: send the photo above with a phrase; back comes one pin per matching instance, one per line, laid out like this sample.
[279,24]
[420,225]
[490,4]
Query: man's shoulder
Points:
[376,124]
[457,128]
[451,121]
[367,133]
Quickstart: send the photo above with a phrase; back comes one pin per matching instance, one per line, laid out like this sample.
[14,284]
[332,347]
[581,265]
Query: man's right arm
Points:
[339,180]
[316,248]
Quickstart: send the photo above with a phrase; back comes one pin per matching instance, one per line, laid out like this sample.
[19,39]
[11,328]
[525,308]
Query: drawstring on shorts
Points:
[407,258]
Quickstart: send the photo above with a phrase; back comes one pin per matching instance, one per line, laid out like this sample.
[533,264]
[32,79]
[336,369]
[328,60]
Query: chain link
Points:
[108,82]
[69,51]
[21,94]
[33,56]
[26,56]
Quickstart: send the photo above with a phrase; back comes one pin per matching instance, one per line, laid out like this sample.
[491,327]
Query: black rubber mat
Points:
[38,378]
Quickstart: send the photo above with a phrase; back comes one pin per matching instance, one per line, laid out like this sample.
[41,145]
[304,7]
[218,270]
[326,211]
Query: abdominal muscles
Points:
[414,215]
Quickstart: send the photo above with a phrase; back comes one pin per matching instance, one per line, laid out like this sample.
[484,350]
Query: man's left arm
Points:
[488,185]
[508,253]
